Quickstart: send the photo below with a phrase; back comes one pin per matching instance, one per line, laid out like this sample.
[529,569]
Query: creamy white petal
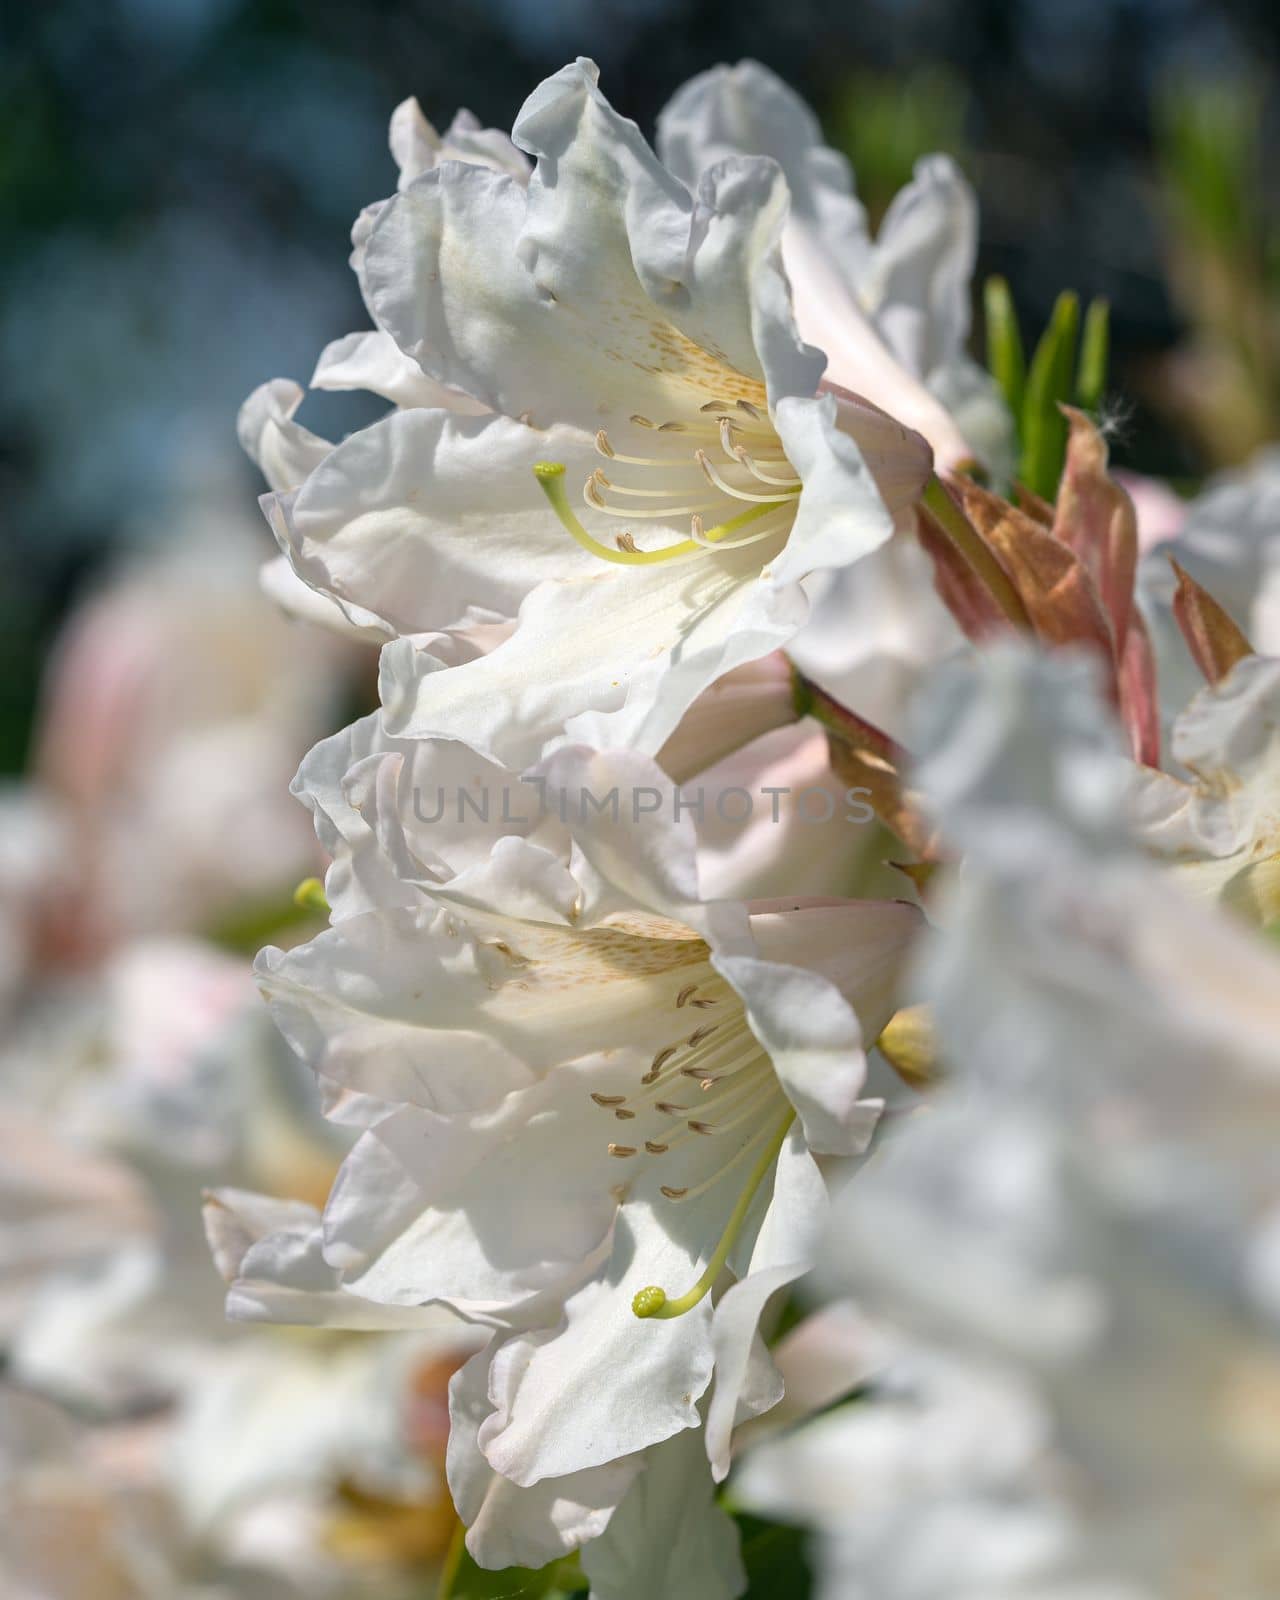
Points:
[363,1003]
[893,315]
[508,1525]
[281,584]
[428,513]
[668,1537]
[374,361]
[271,1254]
[283,450]
[604,276]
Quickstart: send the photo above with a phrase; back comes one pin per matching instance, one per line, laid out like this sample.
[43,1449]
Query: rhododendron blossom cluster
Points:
[891,1153]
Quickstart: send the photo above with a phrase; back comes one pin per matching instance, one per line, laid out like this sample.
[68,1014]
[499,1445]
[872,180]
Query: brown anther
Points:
[623,1115]
[700,1127]
[659,1061]
[609,1099]
[600,479]
[591,493]
[622,1150]
[751,411]
[702,1003]
[674,1194]
[686,994]
[669,1109]
[641,422]
[624,541]
[715,405]
[671,427]
[603,445]
[654,1148]
[504,949]
[699,1034]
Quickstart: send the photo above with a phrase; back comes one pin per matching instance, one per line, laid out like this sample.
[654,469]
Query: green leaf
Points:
[1005,359]
[1049,383]
[774,1556]
[1095,348]
[557,1581]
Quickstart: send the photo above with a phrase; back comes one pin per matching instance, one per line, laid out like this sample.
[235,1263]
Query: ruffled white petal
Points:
[427,514]
[668,1537]
[508,1525]
[374,361]
[619,293]
[283,450]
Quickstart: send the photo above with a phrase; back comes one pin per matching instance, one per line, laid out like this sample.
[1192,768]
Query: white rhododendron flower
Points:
[634,344]
[891,313]
[925,1489]
[176,704]
[1090,1208]
[586,1092]
[1220,828]
[1229,542]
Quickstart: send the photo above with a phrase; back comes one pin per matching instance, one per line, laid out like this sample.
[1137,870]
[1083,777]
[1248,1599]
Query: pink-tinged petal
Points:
[1140,693]
[1215,641]
[1095,518]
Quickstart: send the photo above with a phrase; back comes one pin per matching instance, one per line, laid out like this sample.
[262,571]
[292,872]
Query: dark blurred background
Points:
[177,178]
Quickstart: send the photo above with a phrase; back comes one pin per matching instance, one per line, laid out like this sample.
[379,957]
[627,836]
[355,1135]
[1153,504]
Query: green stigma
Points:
[310,896]
[653,1302]
[550,476]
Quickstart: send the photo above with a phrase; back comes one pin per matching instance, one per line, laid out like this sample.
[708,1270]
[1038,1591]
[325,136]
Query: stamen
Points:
[591,493]
[686,994]
[550,476]
[751,411]
[658,1062]
[672,1194]
[669,463]
[653,1301]
[609,1099]
[622,1150]
[623,1115]
[735,1160]
[706,541]
[704,461]
[654,1148]
[598,481]
[739,453]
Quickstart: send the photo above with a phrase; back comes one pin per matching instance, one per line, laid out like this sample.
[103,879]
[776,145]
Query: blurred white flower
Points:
[1219,829]
[1086,1211]
[177,704]
[1229,542]
[170,1079]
